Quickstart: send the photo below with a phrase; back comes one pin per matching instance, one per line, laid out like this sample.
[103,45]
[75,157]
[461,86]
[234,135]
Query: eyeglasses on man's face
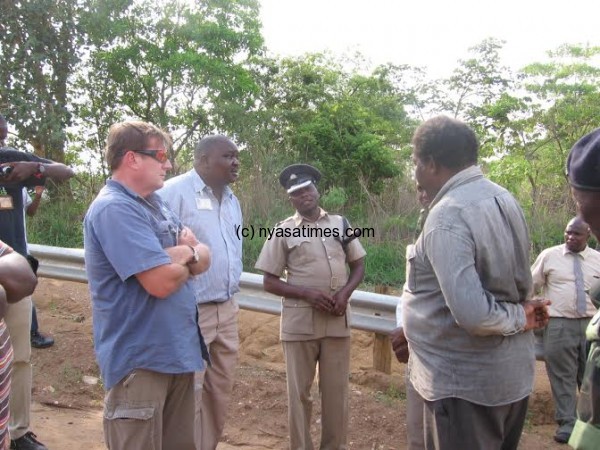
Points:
[160,155]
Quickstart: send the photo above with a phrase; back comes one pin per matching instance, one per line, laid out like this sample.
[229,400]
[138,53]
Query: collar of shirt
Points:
[201,186]
[467,175]
[584,253]
[298,218]
[118,186]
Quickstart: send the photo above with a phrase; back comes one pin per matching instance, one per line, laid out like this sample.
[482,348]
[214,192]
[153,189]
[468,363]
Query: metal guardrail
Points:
[370,311]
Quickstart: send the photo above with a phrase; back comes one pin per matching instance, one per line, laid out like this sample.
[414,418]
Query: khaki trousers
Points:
[150,411]
[301,358]
[18,321]
[219,325]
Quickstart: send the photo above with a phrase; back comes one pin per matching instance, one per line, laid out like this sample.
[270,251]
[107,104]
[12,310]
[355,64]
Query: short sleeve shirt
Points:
[12,218]
[125,234]
[310,255]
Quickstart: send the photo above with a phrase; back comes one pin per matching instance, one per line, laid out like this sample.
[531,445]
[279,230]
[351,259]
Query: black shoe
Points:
[27,442]
[40,341]
[562,437]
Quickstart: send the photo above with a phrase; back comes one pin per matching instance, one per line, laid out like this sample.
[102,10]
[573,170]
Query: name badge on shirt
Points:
[6,202]
[203,203]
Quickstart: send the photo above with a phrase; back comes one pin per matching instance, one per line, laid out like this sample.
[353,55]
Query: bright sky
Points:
[430,33]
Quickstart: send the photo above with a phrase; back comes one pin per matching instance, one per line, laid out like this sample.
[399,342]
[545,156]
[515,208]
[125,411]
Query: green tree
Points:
[183,66]
[39,48]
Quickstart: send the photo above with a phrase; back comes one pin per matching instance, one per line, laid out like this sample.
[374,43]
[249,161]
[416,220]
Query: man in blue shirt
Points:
[204,201]
[139,260]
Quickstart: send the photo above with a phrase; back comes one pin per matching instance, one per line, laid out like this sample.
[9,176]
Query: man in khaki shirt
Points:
[313,248]
[564,274]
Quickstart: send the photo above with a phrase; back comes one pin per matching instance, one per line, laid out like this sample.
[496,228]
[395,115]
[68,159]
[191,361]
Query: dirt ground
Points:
[67,410]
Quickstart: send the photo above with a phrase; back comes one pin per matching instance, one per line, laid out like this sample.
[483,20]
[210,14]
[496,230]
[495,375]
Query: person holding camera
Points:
[19,169]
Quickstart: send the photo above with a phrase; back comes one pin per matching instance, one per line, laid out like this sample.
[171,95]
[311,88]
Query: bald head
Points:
[216,160]
[211,143]
[577,234]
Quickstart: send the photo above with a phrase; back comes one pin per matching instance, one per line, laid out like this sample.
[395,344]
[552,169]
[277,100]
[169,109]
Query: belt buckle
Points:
[334,283]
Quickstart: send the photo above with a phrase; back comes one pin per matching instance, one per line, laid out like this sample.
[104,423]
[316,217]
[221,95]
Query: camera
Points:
[5,171]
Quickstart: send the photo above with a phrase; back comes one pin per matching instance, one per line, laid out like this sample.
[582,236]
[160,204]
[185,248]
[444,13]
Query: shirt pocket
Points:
[166,231]
[411,272]
[130,420]
[296,317]
[300,249]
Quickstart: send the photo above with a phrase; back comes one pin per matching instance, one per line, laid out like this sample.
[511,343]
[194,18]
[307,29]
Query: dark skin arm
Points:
[536,313]
[35,203]
[16,276]
[318,300]
[341,297]
[24,169]
[334,304]
[399,344]
[3,302]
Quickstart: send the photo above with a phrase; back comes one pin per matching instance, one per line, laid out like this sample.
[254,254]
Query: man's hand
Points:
[187,237]
[400,344]
[319,300]
[39,190]
[536,313]
[340,303]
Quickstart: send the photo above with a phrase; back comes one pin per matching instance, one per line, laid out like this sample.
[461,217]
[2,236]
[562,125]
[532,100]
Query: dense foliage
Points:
[71,68]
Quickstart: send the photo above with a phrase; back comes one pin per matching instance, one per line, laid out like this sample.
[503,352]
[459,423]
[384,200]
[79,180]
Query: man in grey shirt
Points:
[465,308]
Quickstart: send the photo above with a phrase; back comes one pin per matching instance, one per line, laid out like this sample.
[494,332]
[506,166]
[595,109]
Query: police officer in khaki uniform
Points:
[313,248]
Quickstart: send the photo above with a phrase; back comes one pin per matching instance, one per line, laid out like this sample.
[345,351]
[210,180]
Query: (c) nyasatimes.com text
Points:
[268,233]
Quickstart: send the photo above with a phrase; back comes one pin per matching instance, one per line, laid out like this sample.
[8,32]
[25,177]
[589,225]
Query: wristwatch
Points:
[195,256]
[41,169]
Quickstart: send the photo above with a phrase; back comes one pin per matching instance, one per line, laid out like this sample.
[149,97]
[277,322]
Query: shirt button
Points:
[329,257]
[323,239]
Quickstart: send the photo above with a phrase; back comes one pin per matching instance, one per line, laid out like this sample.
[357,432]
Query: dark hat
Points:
[583,163]
[297,176]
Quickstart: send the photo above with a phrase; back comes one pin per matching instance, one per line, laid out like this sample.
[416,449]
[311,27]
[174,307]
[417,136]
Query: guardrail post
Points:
[382,353]
[382,345]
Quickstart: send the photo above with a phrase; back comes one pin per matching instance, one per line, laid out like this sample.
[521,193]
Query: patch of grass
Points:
[390,396]
[528,426]
[70,375]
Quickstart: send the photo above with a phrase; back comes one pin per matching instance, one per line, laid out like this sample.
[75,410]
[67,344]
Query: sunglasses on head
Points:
[160,155]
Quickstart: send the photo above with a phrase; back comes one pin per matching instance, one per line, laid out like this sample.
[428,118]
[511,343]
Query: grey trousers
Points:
[414,417]
[565,350]
[457,424]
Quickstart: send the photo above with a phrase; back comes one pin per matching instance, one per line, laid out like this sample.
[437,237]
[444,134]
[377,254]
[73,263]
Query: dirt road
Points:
[67,413]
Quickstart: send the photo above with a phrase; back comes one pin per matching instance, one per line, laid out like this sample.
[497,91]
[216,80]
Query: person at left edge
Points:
[25,169]
[205,202]
[139,261]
